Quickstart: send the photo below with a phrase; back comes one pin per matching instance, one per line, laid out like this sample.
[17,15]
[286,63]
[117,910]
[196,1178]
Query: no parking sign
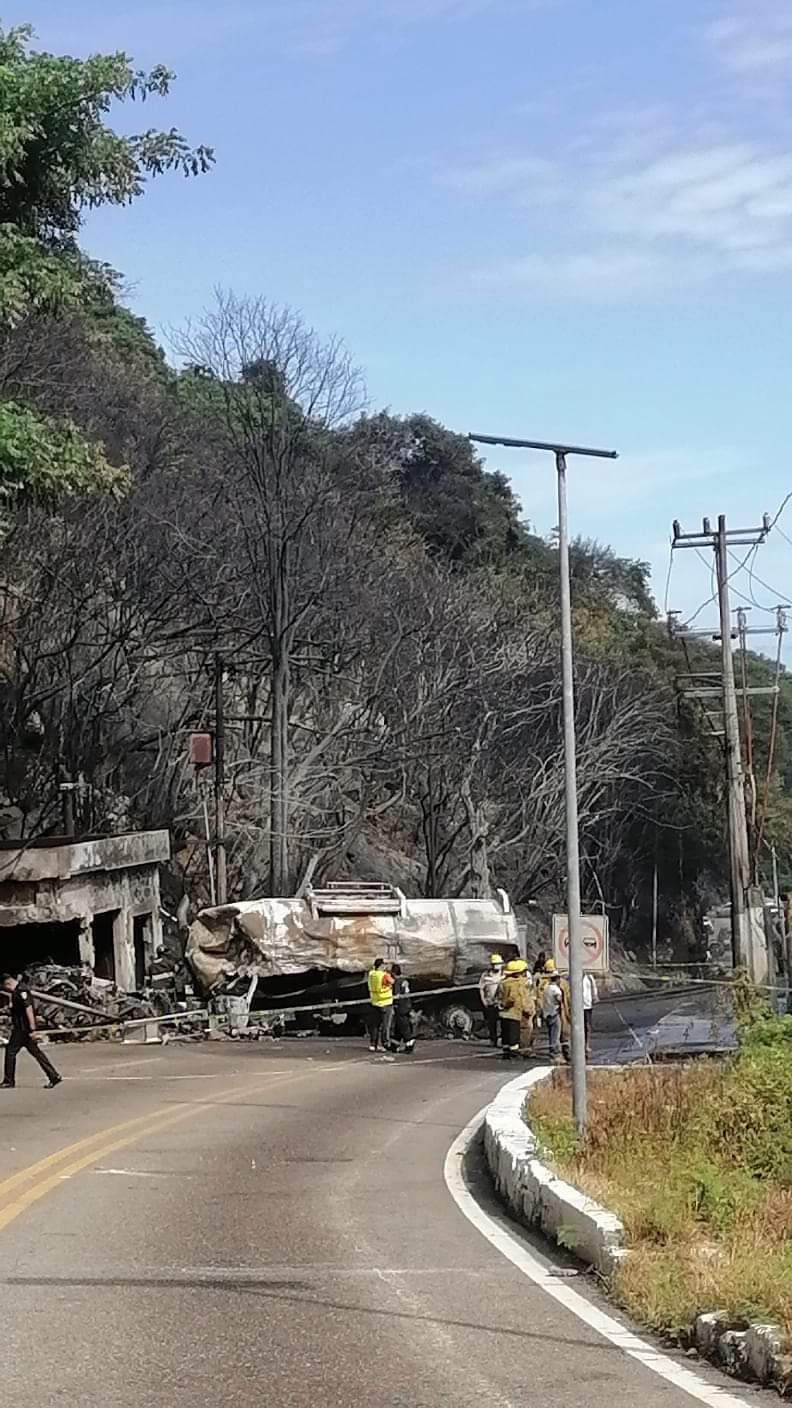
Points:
[594,930]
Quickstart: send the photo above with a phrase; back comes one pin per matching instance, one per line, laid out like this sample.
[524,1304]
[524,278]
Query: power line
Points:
[773,730]
[668,577]
[737,592]
[774,521]
[710,599]
[784,535]
[754,577]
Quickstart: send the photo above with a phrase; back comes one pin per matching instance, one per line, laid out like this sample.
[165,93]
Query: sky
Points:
[548,219]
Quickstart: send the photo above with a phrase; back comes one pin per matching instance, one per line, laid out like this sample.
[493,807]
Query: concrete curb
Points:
[565,1215]
[535,1195]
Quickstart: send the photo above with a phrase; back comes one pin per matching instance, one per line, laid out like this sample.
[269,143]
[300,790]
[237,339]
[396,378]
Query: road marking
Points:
[606,1325]
[37,1190]
[135,1129]
[32,1171]
[141,1173]
[116,1065]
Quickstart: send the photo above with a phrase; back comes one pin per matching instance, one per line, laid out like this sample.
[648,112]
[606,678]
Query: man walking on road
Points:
[380,986]
[489,982]
[23,1033]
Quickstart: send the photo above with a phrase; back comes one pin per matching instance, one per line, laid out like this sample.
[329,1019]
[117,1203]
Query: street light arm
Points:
[544,445]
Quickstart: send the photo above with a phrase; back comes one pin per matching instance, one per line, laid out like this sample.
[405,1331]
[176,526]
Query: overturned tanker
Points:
[329,937]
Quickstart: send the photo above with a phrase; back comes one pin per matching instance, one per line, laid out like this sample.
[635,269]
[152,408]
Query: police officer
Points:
[23,1033]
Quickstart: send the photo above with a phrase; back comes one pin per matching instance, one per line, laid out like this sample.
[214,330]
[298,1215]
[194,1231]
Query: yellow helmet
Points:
[550,966]
[496,960]
[517,965]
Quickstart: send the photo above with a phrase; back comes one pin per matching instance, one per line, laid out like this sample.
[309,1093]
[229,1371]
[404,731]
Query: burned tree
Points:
[272,394]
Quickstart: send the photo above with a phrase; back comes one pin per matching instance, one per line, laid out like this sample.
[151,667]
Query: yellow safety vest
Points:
[380,986]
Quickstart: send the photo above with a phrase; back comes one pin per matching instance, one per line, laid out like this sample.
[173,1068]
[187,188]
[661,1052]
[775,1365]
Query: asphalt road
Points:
[239,1224]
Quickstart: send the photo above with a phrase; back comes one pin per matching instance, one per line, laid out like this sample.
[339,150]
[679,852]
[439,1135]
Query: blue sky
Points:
[544,218]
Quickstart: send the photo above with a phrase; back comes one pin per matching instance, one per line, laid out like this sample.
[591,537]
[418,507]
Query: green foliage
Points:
[44,459]
[35,278]
[463,512]
[57,153]
[698,1163]
[59,157]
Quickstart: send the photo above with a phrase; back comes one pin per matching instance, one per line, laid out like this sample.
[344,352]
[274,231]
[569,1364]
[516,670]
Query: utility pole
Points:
[735,781]
[570,763]
[219,783]
[739,858]
[654,913]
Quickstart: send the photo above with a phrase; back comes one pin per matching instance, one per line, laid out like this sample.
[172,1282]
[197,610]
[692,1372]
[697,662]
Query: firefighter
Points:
[489,982]
[515,1002]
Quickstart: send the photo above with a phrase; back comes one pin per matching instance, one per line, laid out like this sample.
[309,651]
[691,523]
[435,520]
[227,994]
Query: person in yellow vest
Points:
[380,1024]
[515,1002]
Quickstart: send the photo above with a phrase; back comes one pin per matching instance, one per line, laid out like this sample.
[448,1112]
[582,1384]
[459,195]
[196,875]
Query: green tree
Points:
[58,158]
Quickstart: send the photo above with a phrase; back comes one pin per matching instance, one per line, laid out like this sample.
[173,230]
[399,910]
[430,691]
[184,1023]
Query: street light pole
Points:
[578,1043]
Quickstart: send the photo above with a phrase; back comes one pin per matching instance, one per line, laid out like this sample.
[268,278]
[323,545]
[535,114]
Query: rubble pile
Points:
[73,1000]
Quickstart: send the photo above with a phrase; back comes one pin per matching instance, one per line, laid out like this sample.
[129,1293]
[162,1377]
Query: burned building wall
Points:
[114,905]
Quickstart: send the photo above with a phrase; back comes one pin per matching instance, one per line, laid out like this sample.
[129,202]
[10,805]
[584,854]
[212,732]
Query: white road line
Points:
[521,1257]
[116,1065]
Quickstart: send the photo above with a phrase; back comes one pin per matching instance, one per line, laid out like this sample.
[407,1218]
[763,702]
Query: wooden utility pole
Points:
[740,867]
[221,885]
[729,729]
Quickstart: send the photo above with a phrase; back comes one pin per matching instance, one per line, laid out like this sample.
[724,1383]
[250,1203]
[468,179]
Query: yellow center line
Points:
[139,1124]
[108,1141]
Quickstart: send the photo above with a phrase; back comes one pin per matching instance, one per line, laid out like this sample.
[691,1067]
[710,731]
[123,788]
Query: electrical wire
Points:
[753,576]
[784,502]
[668,578]
[736,592]
[771,744]
[710,599]
[747,720]
[705,711]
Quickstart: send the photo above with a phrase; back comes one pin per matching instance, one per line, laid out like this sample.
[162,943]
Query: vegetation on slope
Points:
[697,1161]
[388,623]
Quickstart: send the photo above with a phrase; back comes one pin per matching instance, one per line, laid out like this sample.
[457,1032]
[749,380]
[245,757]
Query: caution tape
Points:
[341,1004]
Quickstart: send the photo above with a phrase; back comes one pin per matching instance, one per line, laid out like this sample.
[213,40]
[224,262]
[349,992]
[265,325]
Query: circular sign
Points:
[593,941]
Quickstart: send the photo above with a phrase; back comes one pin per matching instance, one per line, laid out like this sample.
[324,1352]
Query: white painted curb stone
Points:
[535,1195]
[539,1199]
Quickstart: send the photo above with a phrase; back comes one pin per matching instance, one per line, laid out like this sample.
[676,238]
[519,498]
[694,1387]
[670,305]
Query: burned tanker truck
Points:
[317,948]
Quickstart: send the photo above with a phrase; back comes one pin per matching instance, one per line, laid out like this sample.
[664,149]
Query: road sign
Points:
[594,929]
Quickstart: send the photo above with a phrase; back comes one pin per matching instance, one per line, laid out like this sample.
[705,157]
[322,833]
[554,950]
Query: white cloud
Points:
[634,226]
[753,37]
[596,275]
[507,173]
[731,200]
[325,26]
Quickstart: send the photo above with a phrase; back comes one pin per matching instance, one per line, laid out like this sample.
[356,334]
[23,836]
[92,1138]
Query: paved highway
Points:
[231,1224]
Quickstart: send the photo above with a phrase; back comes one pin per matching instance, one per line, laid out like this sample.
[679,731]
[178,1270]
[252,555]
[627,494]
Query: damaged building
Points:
[94,901]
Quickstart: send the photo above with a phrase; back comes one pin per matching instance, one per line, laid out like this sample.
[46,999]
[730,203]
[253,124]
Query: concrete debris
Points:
[73,1000]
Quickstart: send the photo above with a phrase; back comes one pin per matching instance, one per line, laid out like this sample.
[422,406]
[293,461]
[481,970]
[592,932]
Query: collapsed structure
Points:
[336,932]
[92,902]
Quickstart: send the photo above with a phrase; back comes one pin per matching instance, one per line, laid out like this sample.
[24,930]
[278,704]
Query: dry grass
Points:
[697,1161]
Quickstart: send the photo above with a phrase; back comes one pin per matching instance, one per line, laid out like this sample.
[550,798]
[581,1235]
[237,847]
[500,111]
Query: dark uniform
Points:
[404,1015]
[21,1035]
